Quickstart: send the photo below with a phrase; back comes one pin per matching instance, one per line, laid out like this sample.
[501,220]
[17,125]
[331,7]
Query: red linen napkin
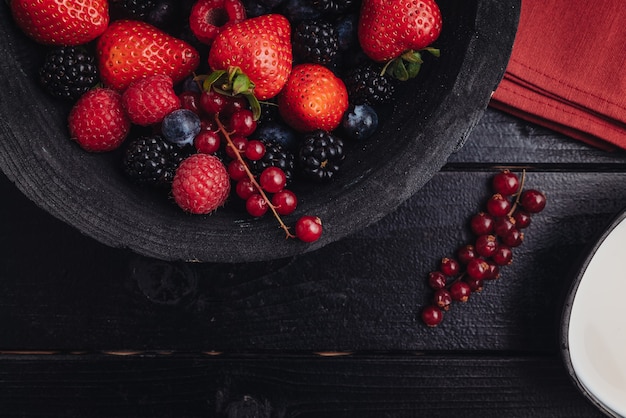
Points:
[568,70]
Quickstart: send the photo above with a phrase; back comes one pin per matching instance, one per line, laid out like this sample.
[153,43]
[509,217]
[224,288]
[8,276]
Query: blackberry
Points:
[68,72]
[151,160]
[315,41]
[366,85]
[133,9]
[275,156]
[321,155]
[333,7]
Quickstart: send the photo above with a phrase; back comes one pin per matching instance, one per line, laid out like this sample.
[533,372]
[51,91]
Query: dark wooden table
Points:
[92,331]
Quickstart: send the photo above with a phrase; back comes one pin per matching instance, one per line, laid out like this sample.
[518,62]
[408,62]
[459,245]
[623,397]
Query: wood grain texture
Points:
[291,386]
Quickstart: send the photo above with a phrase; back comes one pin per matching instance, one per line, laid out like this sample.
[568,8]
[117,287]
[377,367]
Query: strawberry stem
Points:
[251,177]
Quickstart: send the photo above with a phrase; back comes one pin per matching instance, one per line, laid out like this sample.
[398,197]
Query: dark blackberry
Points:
[366,85]
[333,7]
[315,41]
[68,72]
[151,160]
[321,155]
[134,9]
[275,156]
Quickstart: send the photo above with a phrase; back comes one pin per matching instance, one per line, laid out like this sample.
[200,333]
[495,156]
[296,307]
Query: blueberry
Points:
[298,10]
[360,121]
[189,84]
[181,127]
[254,8]
[278,132]
[346,29]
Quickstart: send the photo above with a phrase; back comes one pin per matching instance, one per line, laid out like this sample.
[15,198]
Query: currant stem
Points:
[251,177]
[518,195]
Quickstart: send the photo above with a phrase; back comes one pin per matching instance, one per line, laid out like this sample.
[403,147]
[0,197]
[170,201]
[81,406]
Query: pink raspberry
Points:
[98,122]
[201,184]
[149,100]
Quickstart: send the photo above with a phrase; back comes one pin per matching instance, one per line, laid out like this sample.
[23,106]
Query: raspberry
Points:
[201,184]
[149,100]
[98,122]
[68,72]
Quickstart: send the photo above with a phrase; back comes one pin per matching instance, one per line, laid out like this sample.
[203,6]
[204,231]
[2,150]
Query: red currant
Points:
[309,228]
[242,122]
[505,183]
[460,291]
[476,285]
[477,268]
[503,225]
[449,266]
[255,150]
[498,205]
[240,144]
[234,104]
[285,202]
[244,189]
[212,102]
[533,201]
[493,272]
[436,280]
[273,179]
[190,100]
[236,170]
[522,219]
[486,245]
[432,316]
[514,238]
[443,299]
[466,254]
[481,223]
[256,205]
[503,255]
[207,142]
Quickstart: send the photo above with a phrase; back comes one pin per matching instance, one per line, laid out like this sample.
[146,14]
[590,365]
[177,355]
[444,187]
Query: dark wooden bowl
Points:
[428,121]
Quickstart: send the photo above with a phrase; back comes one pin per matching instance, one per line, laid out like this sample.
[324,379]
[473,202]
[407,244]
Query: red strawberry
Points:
[390,29]
[61,22]
[207,17]
[260,47]
[201,184]
[129,50]
[313,98]
[149,100]
[98,122]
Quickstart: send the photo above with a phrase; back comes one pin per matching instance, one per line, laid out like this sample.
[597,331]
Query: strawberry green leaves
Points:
[232,82]
[407,65]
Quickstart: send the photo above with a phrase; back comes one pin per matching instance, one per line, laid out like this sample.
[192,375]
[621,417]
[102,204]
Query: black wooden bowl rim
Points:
[429,120]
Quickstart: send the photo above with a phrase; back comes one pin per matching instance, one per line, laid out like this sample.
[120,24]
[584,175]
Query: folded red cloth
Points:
[567,70]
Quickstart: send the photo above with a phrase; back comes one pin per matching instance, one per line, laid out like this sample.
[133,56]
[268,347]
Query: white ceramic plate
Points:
[594,322]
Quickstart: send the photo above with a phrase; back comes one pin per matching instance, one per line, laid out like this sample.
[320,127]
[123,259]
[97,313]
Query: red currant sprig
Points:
[272,180]
[497,230]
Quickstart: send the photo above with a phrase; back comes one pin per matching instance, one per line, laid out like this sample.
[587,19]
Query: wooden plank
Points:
[60,290]
[500,139]
[303,386]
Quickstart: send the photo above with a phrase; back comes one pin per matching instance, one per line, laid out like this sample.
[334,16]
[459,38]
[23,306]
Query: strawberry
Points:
[61,22]
[395,31]
[313,98]
[260,47]
[129,50]
[207,17]
[201,184]
[148,100]
[98,122]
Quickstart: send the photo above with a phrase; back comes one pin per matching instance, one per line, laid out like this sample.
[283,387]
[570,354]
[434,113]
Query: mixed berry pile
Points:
[211,100]
[497,231]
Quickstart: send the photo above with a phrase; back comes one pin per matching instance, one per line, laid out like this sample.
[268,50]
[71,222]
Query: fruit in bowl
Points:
[383,122]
